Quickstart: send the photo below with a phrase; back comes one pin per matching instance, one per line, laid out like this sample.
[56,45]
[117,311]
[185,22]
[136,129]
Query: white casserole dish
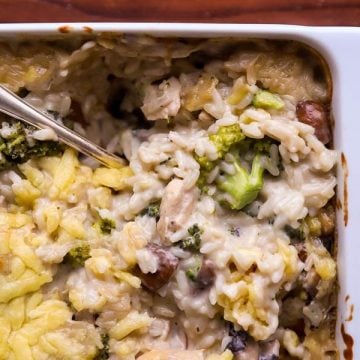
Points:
[339,47]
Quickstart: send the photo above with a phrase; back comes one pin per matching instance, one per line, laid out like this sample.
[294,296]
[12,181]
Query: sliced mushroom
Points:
[176,207]
[166,265]
[206,275]
[162,101]
[314,114]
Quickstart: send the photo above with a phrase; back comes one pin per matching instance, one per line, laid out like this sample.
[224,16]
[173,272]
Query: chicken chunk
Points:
[176,208]
[163,100]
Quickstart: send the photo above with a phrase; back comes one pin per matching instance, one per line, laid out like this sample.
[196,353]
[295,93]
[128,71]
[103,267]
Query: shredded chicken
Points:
[163,100]
[176,207]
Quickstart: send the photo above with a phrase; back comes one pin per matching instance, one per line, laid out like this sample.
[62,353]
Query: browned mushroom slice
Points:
[206,275]
[166,265]
[314,114]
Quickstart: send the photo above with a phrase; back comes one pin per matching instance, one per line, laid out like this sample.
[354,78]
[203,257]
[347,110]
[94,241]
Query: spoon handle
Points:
[14,106]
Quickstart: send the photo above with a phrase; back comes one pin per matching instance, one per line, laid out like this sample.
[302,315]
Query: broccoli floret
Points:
[153,210]
[193,241]
[295,234]
[242,187]
[266,99]
[206,166]
[14,146]
[45,148]
[106,225]
[77,256]
[225,137]
[194,230]
[193,271]
[15,149]
[103,353]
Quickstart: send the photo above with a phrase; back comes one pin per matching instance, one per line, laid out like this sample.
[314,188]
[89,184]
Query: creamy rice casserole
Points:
[214,241]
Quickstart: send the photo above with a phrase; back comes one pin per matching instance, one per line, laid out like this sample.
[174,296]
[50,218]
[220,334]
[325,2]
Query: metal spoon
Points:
[16,107]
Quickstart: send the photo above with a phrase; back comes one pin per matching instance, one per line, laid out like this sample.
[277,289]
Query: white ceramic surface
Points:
[341,49]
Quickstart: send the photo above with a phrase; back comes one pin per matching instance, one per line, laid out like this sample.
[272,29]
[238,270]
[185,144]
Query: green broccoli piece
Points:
[45,148]
[153,210]
[77,256]
[15,149]
[295,234]
[193,241]
[106,225]
[206,166]
[266,99]
[205,163]
[194,230]
[225,137]
[241,188]
[103,353]
[193,271]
